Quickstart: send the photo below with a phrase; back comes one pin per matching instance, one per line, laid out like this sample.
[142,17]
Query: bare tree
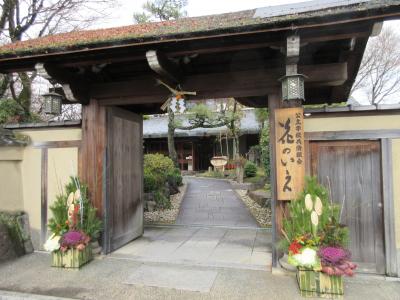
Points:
[379,74]
[25,19]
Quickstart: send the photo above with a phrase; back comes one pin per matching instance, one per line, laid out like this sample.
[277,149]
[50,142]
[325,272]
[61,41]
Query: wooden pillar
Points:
[93,152]
[274,102]
[287,165]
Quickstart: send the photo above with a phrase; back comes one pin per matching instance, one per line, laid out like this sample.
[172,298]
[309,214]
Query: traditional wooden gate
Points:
[124,178]
[352,170]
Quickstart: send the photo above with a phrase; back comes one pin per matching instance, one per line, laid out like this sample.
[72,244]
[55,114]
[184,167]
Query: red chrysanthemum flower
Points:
[295,247]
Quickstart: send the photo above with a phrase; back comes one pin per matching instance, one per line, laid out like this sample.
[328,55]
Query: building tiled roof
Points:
[157,127]
[191,27]
[9,139]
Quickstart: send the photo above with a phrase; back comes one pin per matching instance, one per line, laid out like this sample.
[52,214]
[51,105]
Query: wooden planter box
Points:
[72,258]
[318,284]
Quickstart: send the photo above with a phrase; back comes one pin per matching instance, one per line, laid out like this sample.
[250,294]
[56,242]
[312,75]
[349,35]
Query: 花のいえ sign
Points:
[290,167]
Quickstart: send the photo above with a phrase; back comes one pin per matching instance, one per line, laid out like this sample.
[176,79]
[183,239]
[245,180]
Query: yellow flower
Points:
[314,218]
[308,202]
[318,206]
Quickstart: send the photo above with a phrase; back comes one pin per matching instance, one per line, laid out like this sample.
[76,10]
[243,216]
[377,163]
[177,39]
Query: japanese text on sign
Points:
[289,152]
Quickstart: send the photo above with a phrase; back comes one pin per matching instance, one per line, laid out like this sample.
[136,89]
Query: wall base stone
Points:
[7,250]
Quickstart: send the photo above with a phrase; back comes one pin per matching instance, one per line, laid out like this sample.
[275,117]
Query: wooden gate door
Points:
[124,177]
[352,169]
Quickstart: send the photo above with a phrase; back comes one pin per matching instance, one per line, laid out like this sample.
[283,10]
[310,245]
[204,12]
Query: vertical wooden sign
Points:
[290,167]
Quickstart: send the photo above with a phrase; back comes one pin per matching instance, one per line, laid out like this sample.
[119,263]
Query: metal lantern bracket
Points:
[292,82]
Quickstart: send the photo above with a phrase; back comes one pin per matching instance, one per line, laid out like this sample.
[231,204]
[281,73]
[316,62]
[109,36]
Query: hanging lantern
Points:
[293,87]
[52,103]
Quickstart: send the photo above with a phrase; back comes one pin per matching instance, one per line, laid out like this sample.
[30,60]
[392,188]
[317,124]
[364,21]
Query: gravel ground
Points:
[167,216]
[261,214]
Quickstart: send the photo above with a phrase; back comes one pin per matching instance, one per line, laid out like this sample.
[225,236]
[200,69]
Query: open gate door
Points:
[124,179]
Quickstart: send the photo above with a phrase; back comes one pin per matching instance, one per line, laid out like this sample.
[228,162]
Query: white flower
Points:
[71,210]
[308,257]
[318,206]
[308,201]
[77,195]
[70,199]
[53,243]
[314,218]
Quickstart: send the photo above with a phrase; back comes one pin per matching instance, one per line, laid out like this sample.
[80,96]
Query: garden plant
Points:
[74,225]
[161,178]
[316,242]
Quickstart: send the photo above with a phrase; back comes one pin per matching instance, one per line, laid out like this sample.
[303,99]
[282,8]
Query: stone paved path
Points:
[242,248]
[213,202]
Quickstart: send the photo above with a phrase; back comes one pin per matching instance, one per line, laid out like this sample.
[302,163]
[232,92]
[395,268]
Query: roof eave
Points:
[348,16]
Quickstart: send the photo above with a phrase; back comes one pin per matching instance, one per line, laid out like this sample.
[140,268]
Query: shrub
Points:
[159,166]
[250,169]
[10,111]
[174,181]
[162,201]
[15,231]
[264,147]
[159,170]
[150,181]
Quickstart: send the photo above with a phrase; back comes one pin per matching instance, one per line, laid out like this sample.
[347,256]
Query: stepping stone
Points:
[173,277]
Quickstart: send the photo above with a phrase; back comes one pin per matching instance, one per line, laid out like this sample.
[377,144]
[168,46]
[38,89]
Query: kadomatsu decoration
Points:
[316,242]
[73,225]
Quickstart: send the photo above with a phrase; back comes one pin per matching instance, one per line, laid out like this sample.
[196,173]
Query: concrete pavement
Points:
[105,279]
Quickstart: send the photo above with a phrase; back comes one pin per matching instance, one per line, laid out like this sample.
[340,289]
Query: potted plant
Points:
[316,242]
[74,226]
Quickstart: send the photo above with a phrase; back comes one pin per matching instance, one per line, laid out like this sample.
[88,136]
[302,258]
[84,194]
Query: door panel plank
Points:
[124,177]
[352,173]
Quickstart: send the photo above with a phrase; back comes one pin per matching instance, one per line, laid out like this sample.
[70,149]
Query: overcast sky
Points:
[123,14]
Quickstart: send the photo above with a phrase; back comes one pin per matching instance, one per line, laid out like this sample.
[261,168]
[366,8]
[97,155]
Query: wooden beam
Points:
[75,87]
[376,29]
[389,216]
[57,144]
[258,102]
[274,102]
[163,66]
[218,85]
[92,152]
[353,135]
[44,196]
[353,59]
